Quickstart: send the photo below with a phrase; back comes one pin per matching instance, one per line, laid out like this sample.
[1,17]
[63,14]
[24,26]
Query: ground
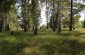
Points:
[45,43]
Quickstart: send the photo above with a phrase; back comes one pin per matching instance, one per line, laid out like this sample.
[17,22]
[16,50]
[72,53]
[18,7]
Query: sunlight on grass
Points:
[45,43]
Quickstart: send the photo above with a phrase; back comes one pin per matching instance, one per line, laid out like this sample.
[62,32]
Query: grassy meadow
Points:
[46,42]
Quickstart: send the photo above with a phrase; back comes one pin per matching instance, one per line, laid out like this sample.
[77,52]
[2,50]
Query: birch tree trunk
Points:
[25,15]
[60,16]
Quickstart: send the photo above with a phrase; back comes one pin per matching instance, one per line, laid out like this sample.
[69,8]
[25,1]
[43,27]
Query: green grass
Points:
[45,43]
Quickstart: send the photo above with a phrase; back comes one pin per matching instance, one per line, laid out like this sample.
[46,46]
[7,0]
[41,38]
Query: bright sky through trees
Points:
[43,15]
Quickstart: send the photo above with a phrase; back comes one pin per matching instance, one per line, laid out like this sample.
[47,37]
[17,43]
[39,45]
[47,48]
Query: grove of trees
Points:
[64,13]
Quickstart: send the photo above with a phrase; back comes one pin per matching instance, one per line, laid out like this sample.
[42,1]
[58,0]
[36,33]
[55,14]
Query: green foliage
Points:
[13,20]
[76,22]
[65,22]
[43,28]
[5,5]
[84,24]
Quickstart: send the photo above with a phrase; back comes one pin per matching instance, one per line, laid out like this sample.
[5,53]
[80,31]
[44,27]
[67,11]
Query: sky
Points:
[43,16]
[82,15]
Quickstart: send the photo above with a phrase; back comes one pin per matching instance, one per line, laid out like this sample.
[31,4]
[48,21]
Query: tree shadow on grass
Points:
[71,47]
[22,34]
[47,49]
[7,48]
[64,47]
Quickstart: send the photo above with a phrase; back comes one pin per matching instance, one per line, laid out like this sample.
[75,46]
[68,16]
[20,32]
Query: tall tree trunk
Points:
[25,15]
[25,25]
[1,22]
[47,14]
[54,17]
[57,16]
[7,28]
[60,16]
[36,17]
[71,18]
[35,30]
